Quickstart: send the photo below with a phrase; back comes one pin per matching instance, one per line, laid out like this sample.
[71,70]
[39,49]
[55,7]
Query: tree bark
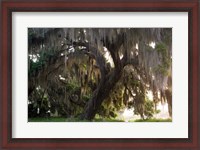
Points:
[169,101]
[100,94]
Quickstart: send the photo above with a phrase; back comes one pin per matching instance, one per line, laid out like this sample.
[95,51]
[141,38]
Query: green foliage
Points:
[161,48]
[31,34]
[165,59]
[113,103]
[167,36]
[135,83]
[157,111]
[149,108]
[34,68]
[72,87]
[86,98]
[144,109]
[152,120]
[161,69]
[44,57]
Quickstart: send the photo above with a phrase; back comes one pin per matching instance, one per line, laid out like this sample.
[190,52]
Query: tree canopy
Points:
[83,72]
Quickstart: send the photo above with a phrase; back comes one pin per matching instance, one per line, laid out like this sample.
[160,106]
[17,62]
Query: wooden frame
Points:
[190,6]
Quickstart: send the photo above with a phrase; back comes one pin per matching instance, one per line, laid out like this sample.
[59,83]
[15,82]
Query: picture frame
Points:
[10,6]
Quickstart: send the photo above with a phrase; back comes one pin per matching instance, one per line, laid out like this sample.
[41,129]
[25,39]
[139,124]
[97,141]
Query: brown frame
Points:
[9,6]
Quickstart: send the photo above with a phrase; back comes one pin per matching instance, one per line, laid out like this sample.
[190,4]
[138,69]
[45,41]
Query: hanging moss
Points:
[86,98]
[161,48]
[161,69]
[72,87]
[81,77]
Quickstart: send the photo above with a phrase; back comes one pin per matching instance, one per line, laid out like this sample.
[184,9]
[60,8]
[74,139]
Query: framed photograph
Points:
[100,74]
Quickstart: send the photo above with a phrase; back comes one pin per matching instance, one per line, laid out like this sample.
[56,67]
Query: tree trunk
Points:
[102,92]
[108,80]
[169,101]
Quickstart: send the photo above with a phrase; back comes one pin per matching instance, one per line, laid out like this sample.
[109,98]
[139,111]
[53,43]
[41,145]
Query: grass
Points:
[49,119]
[107,120]
[62,119]
[152,120]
